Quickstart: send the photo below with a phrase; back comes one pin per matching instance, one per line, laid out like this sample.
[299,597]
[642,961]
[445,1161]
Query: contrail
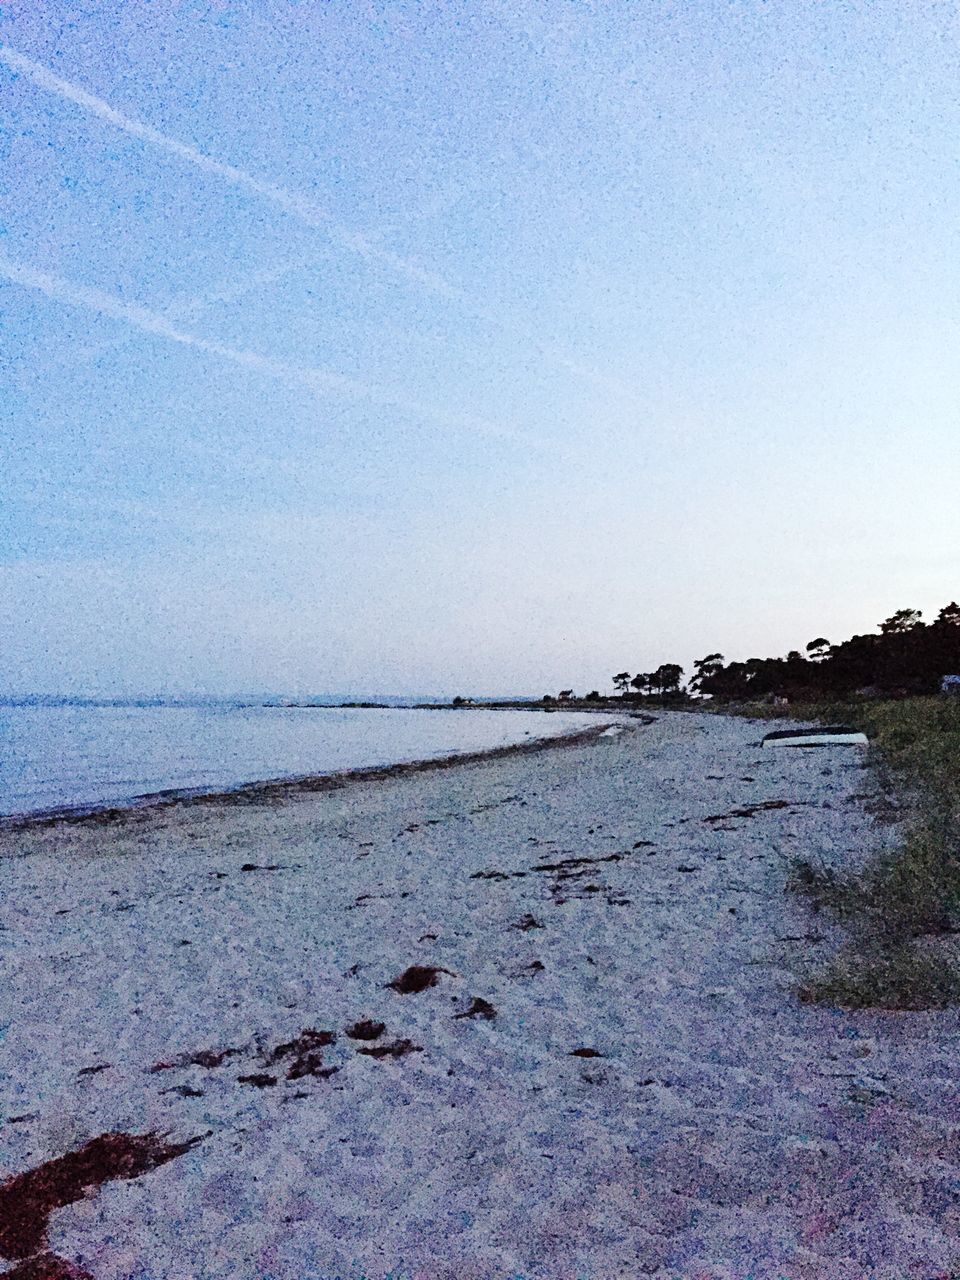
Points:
[307,211]
[304,209]
[191,307]
[315,379]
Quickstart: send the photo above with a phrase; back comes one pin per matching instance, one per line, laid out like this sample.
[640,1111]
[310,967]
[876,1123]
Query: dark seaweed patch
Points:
[478,1009]
[307,1054]
[28,1199]
[366,1030]
[528,922]
[310,1064]
[568,866]
[396,1049]
[260,1079]
[307,1041]
[416,979]
[211,1058]
[208,1058]
[750,810]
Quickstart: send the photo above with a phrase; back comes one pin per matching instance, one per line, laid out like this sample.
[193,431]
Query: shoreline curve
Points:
[139,808]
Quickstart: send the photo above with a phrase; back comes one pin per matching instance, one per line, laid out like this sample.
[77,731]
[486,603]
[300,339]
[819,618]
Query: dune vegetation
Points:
[901,909]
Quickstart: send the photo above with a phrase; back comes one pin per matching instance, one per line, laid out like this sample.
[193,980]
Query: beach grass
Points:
[896,975]
[906,896]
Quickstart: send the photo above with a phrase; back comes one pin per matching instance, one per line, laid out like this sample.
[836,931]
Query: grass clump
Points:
[824,887]
[905,893]
[915,889]
[897,976]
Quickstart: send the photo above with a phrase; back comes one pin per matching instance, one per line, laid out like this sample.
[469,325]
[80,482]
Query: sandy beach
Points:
[533,1015]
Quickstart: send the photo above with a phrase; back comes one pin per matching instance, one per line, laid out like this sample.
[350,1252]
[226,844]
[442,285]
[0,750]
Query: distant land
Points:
[242,699]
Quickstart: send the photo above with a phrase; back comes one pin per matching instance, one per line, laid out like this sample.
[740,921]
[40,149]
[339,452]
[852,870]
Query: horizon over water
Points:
[243,698]
[73,754]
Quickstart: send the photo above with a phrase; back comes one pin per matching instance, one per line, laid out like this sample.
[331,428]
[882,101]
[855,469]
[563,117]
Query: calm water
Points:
[67,757]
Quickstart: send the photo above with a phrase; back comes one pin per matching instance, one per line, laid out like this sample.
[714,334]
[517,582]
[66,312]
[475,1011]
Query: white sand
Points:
[727,1129]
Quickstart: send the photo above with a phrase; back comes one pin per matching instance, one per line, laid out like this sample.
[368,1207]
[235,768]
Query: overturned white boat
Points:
[829,735]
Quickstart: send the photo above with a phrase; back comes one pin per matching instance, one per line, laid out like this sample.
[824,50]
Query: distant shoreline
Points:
[48,702]
[275,790]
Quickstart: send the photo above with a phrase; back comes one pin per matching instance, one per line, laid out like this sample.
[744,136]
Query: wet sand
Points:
[531,1015]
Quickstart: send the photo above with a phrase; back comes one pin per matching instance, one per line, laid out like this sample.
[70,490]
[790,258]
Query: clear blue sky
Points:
[482,347]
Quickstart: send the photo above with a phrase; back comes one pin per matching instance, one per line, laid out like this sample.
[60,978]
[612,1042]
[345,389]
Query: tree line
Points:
[904,656]
[664,682]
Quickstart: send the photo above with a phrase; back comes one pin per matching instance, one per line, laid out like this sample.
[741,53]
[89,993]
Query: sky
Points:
[480,348]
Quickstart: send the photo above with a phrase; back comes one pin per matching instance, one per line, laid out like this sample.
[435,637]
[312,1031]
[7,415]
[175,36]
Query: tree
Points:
[593,696]
[904,656]
[901,621]
[704,669]
[668,677]
[711,660]
[621,682]
[641,681]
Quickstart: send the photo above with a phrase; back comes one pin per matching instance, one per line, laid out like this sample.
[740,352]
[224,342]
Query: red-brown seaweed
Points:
[307,1053]
[366,1030]
[416,979]
[28,1199]
[394,1050]
[478,1008]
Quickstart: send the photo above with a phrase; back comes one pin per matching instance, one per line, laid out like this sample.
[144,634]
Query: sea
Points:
[76,756]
